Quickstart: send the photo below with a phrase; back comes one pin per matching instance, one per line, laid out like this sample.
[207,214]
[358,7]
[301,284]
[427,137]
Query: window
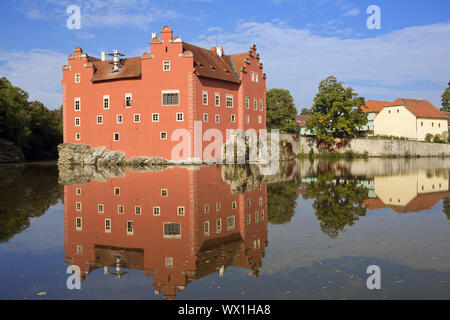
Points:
[77,136]
[107,225]
[256,216]
[169,262]
[261,105]
[180,116]
[218,225]
[256,77]
[229,101]
[77,121]
[253,76]
[421,124]
[77,78]
[205,117]
[398,111]
[218,206]
[116,136]
[206,208]
[128,100]
[170,98]
[217,118]
[233,205]
[166,65]
[119,119]
[248,119]
[260,201]
[137,118]
[155,117]
[439,125]
[99,119]
[217,99]
[79,223]
[247,103]
[78,191]
[230,223]
[249,203]
[172,230]
[105,102]
[100,208]
[120,209]
[78,206]
[163,135]
[180,211]
[255,104]
[432,124]
[262,215]
[206,228]
[117,191]
[79,249]
[137,210]
[130,227]
[205,98]
[77,104]
[233,118]
[156,211]
[249,219]
[164,192]
[259,119]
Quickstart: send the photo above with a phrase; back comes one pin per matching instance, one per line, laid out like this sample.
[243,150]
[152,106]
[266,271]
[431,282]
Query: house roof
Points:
[208,64]
[374,106]
[419,107]
[131,68]
[301,119]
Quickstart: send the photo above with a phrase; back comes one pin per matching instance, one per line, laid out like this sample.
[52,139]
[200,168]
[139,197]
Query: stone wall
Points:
[373,147]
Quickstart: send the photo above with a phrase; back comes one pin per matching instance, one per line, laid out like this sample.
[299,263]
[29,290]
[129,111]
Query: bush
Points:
[428,137]
[438,139]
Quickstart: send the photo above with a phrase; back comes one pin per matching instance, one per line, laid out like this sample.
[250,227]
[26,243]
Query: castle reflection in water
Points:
[177,225]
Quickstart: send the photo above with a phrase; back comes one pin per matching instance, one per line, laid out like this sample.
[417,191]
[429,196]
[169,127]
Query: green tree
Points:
[281,201]
[306,112]
[445,98]
[338,202]
[281,111]
[446,207]
[336,112]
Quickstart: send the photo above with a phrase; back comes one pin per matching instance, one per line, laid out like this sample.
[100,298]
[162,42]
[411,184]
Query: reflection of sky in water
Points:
[301,262]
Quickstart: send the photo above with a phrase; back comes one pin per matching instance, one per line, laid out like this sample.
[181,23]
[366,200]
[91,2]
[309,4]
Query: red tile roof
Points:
[421,202]
[301,119]
[419,107]
[131,68]
[374,106]
[208,64]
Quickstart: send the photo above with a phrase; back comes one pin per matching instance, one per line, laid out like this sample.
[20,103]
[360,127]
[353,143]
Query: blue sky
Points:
[300,42]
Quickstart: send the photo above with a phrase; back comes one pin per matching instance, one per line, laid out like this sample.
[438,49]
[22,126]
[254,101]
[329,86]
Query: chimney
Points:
[219,50]
[103,55]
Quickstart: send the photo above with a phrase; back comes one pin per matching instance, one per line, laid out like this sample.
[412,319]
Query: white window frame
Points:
[233,219]
[119,207]
[206,208]
[77,77]
[160,135]
[128,95]
[130,232]
[217,118]
[218,206]
[78,206]
[77,136]
[168,262]
[247,103]
[256,77]
[163,92]
[261,105]
[100,208]
[106,98]
[114,136]
[116,191]
[117,118]
[138,116]
[181,211]
[182,117]
[205,117]
[253,76]
[78,191]
[206,228]
[75,100]
[205,97]
[259,119]
[157,211]
[79,121]
[171,236]
[217,99]
[247,120]
[219,225]
[227,97]
[153,117]
[255,104]
[99,117]
[166,191]
[233,205]
[79,226]
[233,118]
[107,228]
[138,210]
[166,65]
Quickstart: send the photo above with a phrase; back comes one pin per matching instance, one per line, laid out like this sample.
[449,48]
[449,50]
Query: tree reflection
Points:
[446,207]
[338,202]
[281,201]
[26,192]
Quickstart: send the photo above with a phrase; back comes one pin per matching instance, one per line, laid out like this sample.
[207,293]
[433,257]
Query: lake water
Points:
[308,231]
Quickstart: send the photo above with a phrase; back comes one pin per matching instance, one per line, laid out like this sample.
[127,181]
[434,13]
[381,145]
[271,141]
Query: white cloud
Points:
[39,72]
[352,12]
[394,63]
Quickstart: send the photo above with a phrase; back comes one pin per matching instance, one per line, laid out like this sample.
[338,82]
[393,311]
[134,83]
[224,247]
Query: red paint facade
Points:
[146,87]
[193,254]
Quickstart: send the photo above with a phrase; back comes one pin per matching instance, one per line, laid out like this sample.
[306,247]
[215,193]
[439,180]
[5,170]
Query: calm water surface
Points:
[309,231]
